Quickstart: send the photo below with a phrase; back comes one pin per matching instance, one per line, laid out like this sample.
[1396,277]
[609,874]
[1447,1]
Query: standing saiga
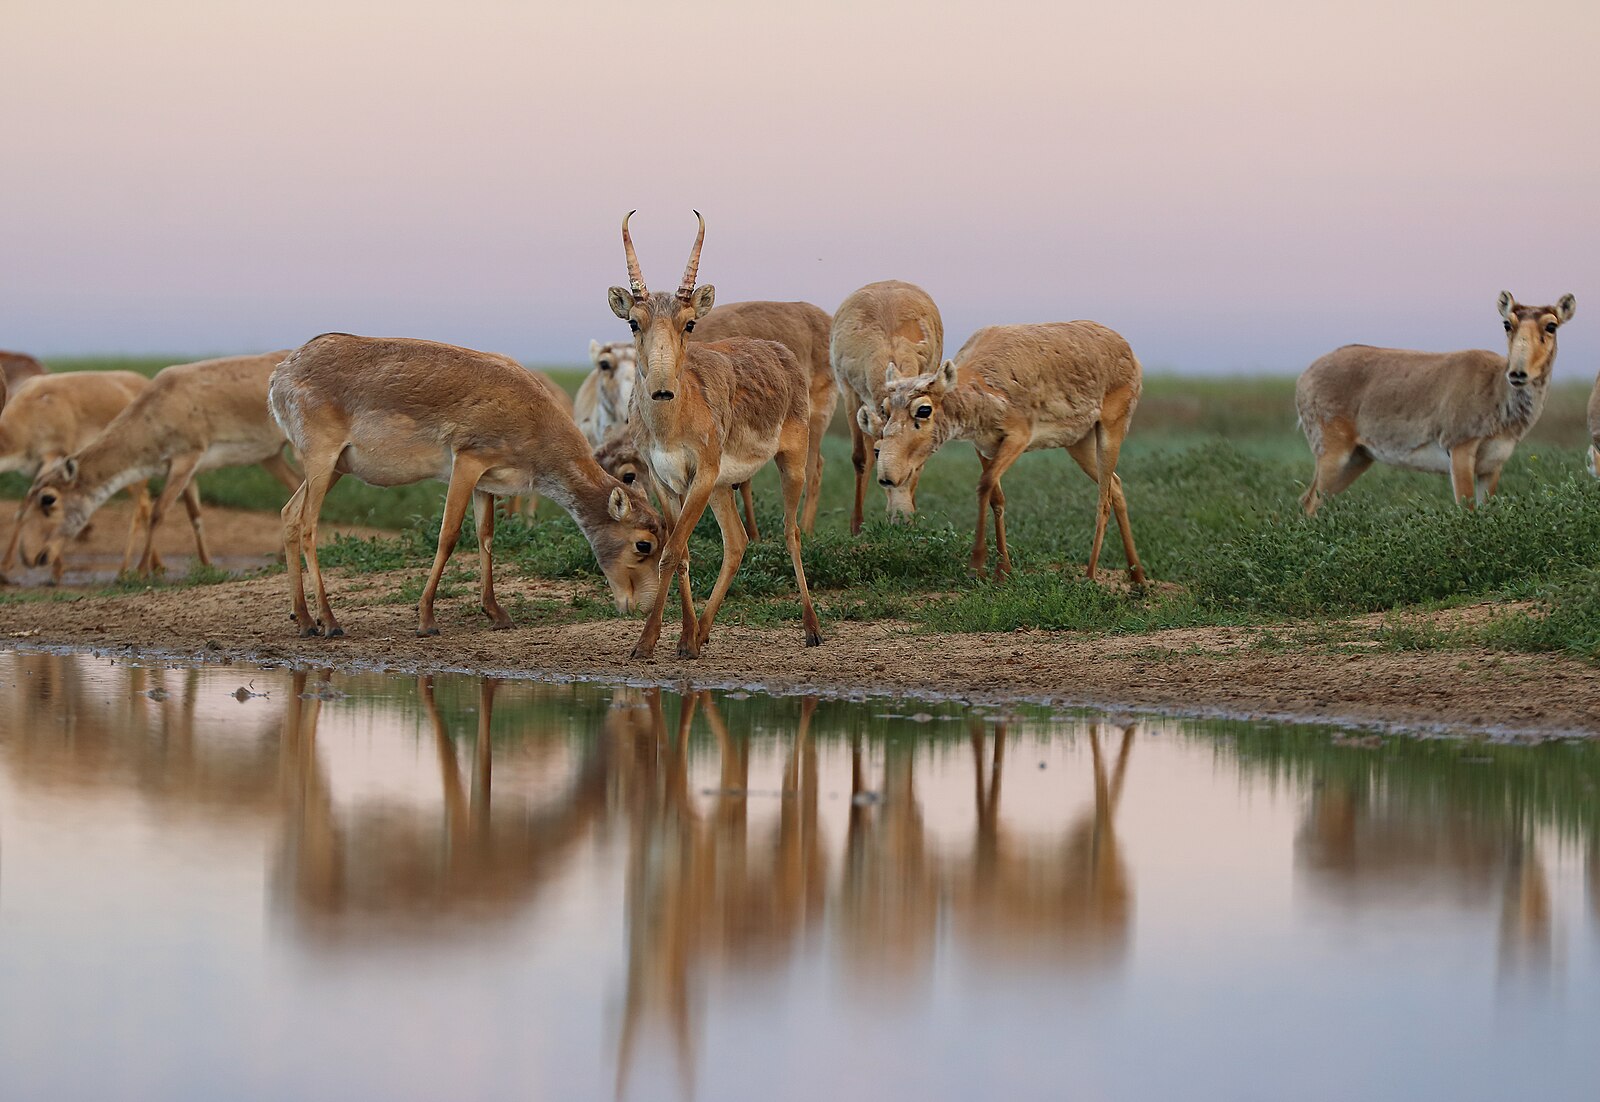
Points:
[706,418]
[1457,413]
[1014,389]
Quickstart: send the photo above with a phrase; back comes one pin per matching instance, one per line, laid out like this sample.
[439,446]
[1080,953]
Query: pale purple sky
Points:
[1234,186]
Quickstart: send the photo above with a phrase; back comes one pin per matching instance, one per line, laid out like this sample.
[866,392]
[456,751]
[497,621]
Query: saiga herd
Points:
[699,400]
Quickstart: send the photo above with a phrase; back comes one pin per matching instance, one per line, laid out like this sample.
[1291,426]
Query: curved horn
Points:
[686,288]
[635,276]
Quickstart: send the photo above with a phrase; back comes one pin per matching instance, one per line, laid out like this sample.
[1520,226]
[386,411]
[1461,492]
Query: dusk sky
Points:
[1233,186]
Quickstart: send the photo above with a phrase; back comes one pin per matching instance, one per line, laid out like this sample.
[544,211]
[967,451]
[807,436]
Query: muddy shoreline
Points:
[1208,672]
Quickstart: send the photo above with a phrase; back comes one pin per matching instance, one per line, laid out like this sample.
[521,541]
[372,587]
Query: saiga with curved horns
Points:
[706,417]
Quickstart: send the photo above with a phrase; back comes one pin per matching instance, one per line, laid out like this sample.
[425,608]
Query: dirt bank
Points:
[1194,671]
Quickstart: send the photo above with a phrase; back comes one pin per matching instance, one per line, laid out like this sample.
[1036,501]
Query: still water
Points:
[367,886]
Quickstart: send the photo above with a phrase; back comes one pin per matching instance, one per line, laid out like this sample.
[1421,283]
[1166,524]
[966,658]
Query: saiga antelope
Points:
[394,411]
[606,394]
[52,416]
[1014,389]
[706,418]
[804,330]
[192,418]
[1459,413]
[884,326]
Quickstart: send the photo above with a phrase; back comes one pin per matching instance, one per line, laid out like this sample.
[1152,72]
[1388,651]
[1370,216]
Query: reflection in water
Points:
[750,849]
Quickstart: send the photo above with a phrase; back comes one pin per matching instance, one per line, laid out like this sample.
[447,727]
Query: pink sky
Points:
[1233,186]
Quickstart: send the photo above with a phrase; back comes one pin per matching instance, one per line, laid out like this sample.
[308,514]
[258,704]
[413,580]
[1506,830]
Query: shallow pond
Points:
[371,886]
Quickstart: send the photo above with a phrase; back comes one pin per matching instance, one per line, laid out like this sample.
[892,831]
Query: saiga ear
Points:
[891,374]
[618,506]
[944,379]
[621,300]
[594,350]
[702,300]
[70,469]
[1508,303]
[1566,306]
[869,422]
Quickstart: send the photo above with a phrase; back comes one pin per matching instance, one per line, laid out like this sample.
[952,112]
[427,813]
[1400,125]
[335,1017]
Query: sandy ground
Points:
[1194,671]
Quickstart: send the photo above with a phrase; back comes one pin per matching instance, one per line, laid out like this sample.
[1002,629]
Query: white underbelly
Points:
[735,471]
[1429,457]
[395,466]
[234,454]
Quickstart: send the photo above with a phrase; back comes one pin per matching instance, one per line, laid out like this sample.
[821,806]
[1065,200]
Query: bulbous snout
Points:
[1517,376]
[900,504]
[662,395]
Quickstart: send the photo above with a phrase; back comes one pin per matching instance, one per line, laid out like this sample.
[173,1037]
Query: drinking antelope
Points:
[883,326]
[1014,389]
[51,416]
[395,411]
[706,418]
[192,418]
[606,394]
[1459,413]
[804,330]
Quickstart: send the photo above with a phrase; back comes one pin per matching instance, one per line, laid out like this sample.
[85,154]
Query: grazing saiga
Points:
[392,411]
[1014,389]
[804,330]
[1459,413]
[52,416]
[883,326]
[706,418]
[192,418]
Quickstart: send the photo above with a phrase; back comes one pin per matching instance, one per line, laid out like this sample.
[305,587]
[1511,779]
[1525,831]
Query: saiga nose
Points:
[661,395]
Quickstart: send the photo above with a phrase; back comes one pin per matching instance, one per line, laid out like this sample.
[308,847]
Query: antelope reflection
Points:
[379,864]
[700,893]
[1069,897]
[1364,842]
[79,725]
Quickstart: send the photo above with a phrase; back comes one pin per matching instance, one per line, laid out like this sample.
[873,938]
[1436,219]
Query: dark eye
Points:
[1508,327]
[629,477]
[1549,327]
[924,410]
[47,500]
[644,547]
[688,326]
[633,323]
[875,452]
[605,365]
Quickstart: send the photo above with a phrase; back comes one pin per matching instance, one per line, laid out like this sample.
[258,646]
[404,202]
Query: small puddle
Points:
[247,883]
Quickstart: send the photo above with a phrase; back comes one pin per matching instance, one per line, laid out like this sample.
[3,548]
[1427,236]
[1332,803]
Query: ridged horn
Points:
[686,288]
[635,276]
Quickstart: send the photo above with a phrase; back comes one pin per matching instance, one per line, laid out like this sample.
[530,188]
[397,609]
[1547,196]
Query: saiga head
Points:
[1531,337]
[60,501]
[628,548]
[907,429]
[661,322]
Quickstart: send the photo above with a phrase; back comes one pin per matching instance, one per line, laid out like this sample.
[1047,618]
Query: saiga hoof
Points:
[814,639]
[335,632]
[425,632]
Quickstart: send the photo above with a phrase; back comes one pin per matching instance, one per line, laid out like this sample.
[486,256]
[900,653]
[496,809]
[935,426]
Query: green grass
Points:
[1213,470]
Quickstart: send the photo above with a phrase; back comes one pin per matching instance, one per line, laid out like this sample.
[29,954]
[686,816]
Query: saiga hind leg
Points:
[483,517]
[791,459]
